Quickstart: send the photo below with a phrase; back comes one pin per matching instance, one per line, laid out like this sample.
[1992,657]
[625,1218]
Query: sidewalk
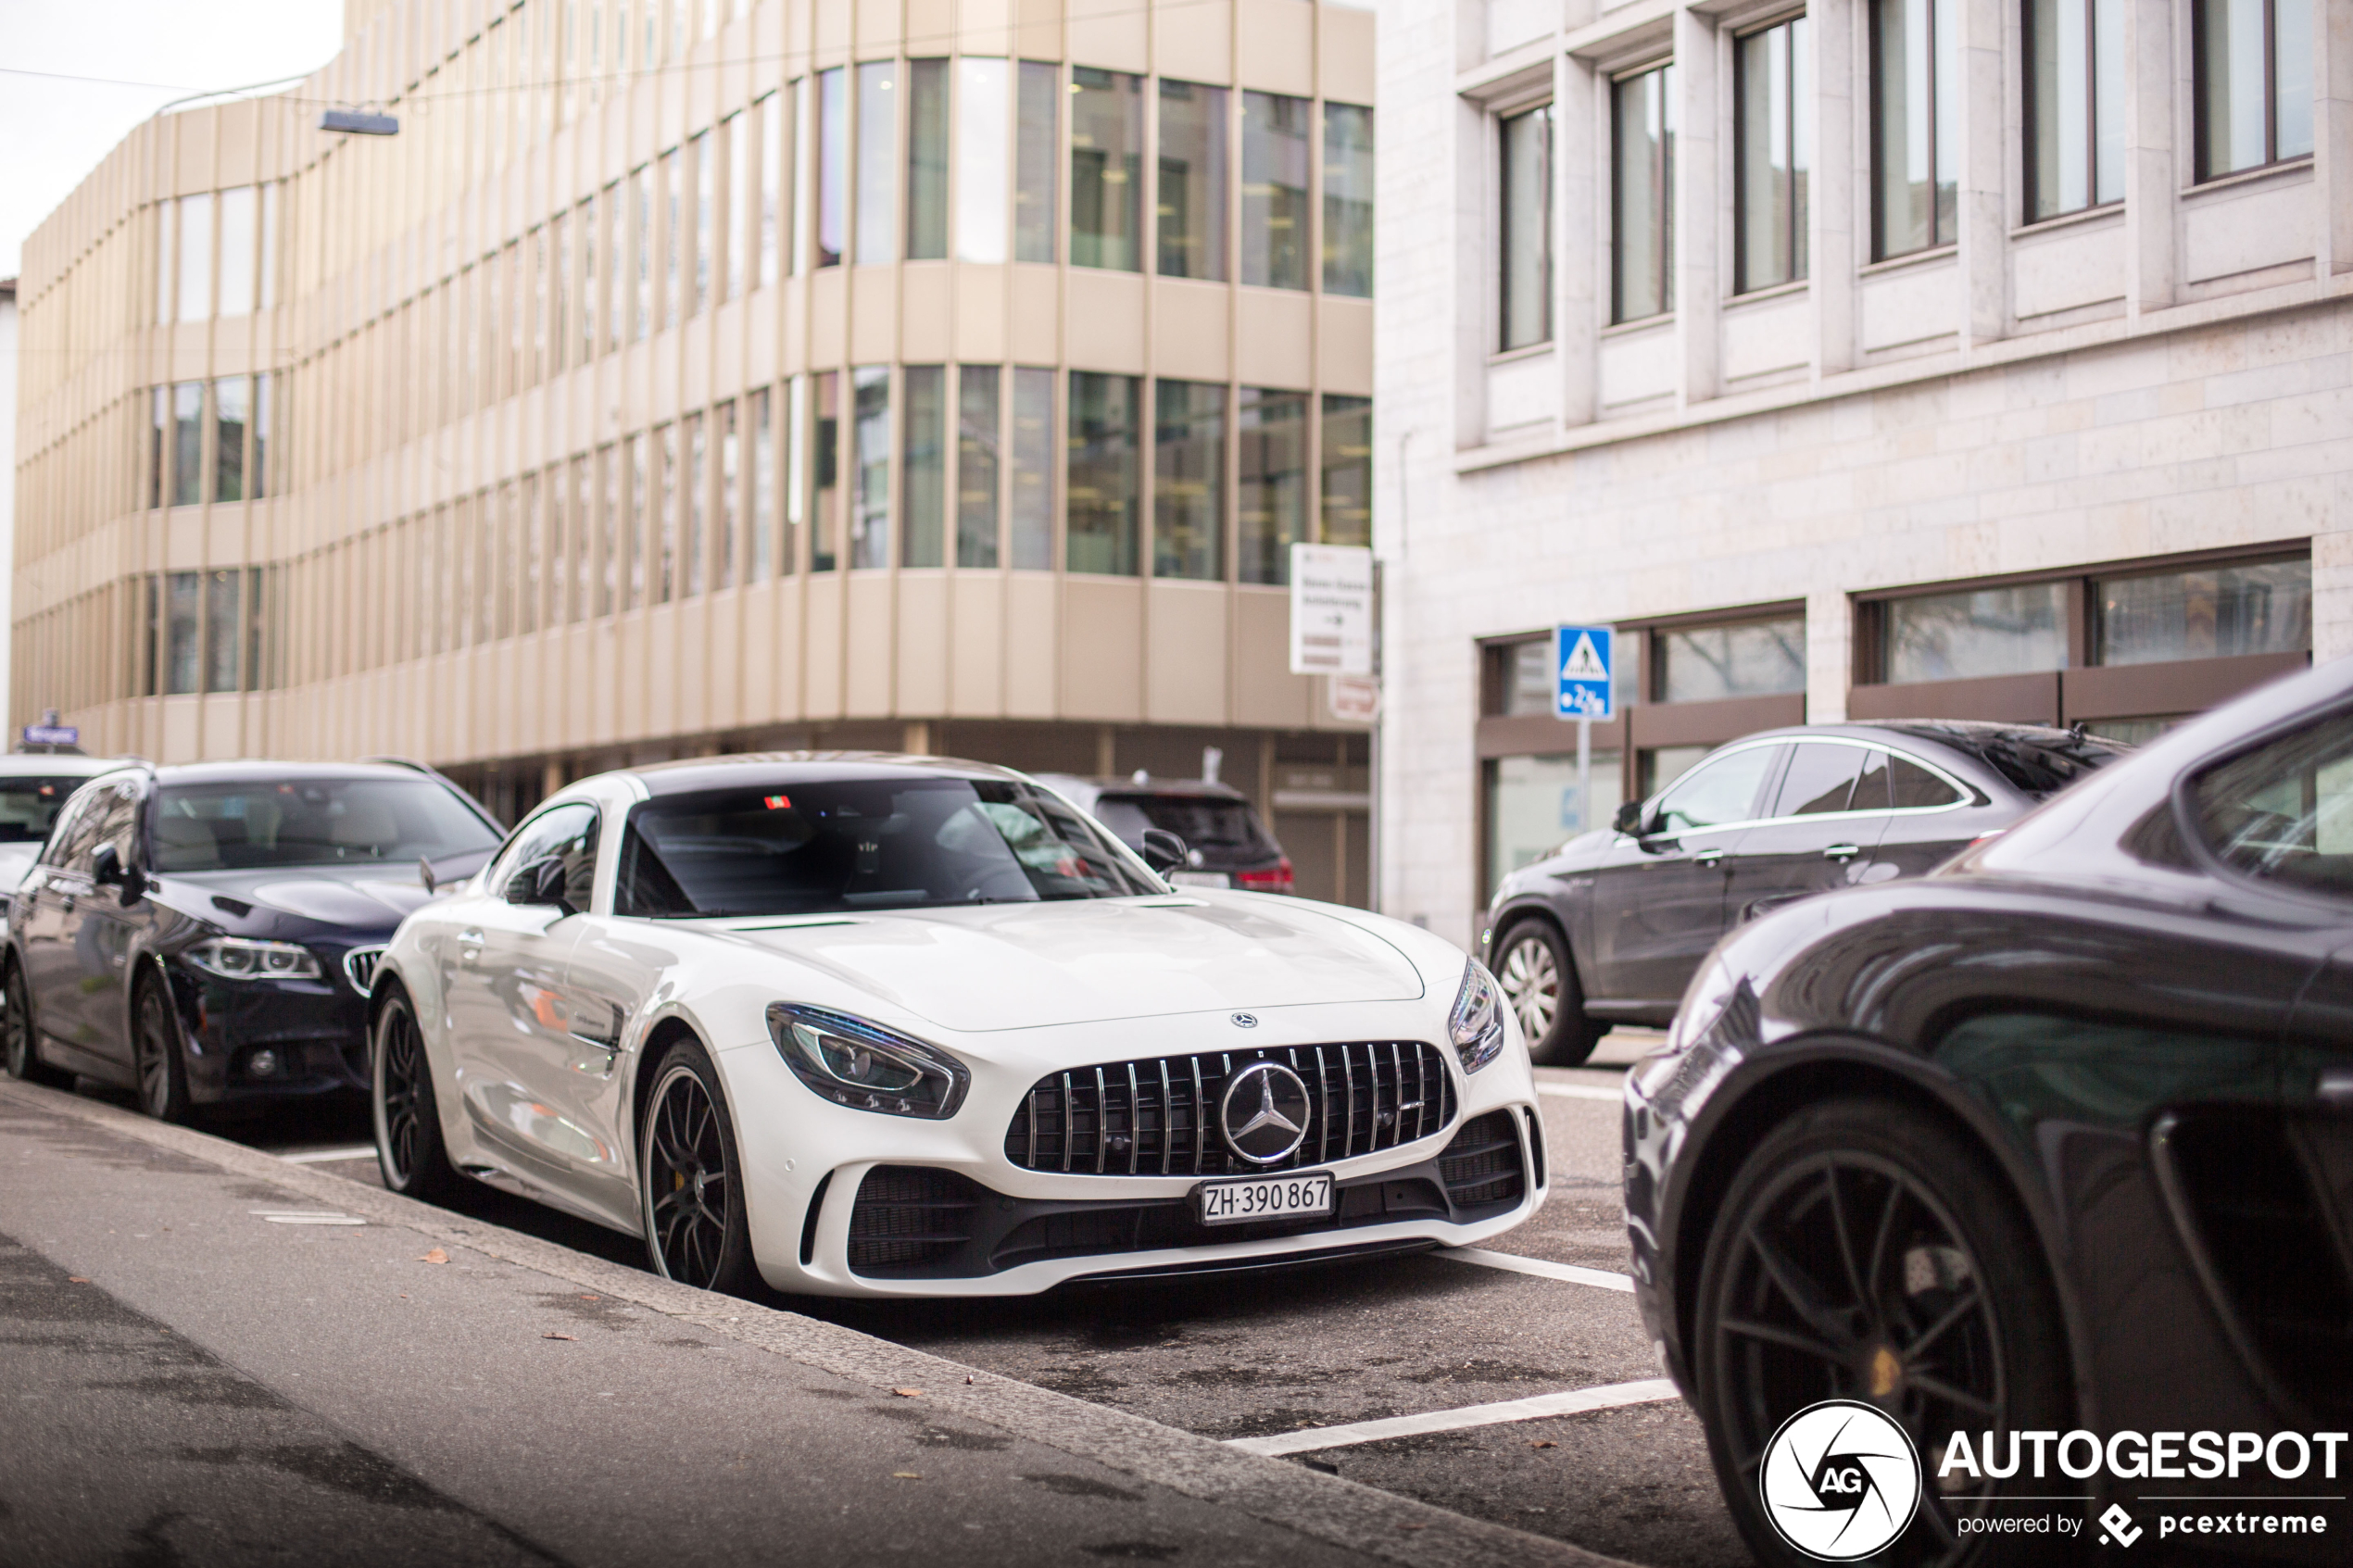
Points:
[203,1362]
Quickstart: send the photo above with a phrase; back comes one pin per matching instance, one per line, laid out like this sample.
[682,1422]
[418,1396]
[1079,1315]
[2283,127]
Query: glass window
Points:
[776,172]
[1527,224]
[1819,779]
[273,822]
[927,160]
[1032,478]
[1643,196]
[979,420]
[1916,117]
[195,257]
[1348,200]
[1189,480]
[2074,105]
[1988,632]
[703,158]
[183,646]
[673,238]
[877,160]
[158,441]
[764,554]
[1271,461]
[641,205]
[2283,812]
[223,621]
[1723,789]
[730,518]
[187,444]
[666,552]
[229,419]
[797,496]
[926,466]
[1192,180]
[1749,659]
[1106,168]
[1774,111]
[1528,683]
[1913,787]
[738,128]
[262,438]
[833,167]
[567,833]
[825,434]
[2253,90]
[237,251]
[28,806]
[265,265]
[1104,420]
[1348,469]
[982,110]
[2217,612]
[1276,131]
[870,528]
[167,248]
[1035,158]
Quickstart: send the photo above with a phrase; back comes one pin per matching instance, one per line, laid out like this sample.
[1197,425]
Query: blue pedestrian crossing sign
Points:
[1580,657]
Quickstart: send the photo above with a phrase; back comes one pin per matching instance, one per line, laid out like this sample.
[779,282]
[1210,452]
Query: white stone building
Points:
[1855,358]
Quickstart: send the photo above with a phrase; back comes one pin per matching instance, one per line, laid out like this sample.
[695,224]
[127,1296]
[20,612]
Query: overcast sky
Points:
[54,133]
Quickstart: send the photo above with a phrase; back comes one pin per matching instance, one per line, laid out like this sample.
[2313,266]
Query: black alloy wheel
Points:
[696,1230]
[23,1058]
[409,1147]
[1864,1253]
[163,1070]
[1540,983]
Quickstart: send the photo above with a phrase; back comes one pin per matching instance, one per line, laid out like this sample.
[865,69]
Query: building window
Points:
[1526,224]
[1275,160]
[1348,200]
[1774,113]
[2209,612]
[730,510]
[2074,105]
[2254,90]
[797,475]
[1192,180]
[825,433]
[1348,469]
[1032,478]
[928,160]
[1981,632]
[768,115]
[1272,461]
[1106,170]
[237,273]
[183,630]
[765,554]
[980,407]
[739,136]
[195,257]
[1643,195]
[1532,806]
[833,167]
[1036,159]
[187,444]
[263,484]
[167,250]
[870,536]
[982,111]
[1189,480]
[230,417]
[925,477]
[877,160]
[158,443]
[1916,118]
[1104,420]
[1740,658]
[223,624]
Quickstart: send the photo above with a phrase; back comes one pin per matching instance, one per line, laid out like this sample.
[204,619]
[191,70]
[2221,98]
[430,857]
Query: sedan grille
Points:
[360,967]
[1158,1117]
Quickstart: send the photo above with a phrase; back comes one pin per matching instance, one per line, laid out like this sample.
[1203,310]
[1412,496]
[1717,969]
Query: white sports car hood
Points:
[1011,966]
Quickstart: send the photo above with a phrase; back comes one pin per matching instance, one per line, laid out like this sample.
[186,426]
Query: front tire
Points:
[19,1043]
[1539,981]
[409,1152]
[690,1178]
[163,1069]
[1865,1253]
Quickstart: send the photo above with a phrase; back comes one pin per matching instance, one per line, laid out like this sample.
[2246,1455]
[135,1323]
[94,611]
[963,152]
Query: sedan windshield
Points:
[813,847]
[29,804]
[267,822]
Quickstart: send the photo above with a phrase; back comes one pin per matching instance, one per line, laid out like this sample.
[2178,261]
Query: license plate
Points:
[1262,1197]
[1200,879]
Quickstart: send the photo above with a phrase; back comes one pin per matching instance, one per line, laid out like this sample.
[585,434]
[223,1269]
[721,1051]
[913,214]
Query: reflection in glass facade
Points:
[2216,613]
[877,160]
[1710,663]
[1192,180]
[1105,425]
[1990,631]
[1348,200]
[928,160]
[979,409]
[1915,115]
[1189,480]
[924,466]
[1275,157]
[1532,806]
[1348,469]
[870,525]
[1032,544]
[1106,168]
[1272,459]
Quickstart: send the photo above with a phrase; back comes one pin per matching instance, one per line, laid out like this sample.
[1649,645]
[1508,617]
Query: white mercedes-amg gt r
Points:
[862,1024]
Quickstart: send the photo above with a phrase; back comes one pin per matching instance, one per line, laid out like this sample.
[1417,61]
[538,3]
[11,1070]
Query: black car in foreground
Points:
[2049,1153]
[207,933]
[1610,927]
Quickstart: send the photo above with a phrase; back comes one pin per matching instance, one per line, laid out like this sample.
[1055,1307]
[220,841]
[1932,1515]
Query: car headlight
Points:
[865,1066]
[245,958]
[1476,1024]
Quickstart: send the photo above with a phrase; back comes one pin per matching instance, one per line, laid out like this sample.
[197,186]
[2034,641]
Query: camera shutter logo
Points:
[1841,1480]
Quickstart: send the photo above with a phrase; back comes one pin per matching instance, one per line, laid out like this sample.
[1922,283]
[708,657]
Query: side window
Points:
[1723,789]
[1913,785]
[118,824]
[1821,778]
[568,831]
[2283,812]
[75,833]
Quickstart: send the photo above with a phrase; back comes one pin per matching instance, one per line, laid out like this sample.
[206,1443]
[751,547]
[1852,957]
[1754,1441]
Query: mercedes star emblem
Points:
[1245,1020]
[1263,1113]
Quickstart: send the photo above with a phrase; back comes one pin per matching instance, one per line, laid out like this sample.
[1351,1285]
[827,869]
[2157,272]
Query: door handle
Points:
[1707,857]
[1842,852]
[65,902]
[471,944]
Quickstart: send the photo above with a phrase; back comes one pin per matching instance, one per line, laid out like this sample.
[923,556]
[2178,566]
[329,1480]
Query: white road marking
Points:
[1581,1091]
[329,1155]
[1541,1268]
[304,1217]
[1313,1438]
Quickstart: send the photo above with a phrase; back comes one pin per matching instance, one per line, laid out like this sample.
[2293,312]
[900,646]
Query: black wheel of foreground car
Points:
[163,1071]
[408,1149]
[1539,981]
[15,1030]
[1864,1253]
[696,1230]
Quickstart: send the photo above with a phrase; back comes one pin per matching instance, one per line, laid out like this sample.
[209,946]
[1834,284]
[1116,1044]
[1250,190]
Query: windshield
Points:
[810,848]
[1203,821]
[29,805]
[262,823]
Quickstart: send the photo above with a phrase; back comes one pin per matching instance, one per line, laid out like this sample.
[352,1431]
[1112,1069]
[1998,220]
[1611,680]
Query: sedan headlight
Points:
[1476,1021]
[245,958]
[865,1066]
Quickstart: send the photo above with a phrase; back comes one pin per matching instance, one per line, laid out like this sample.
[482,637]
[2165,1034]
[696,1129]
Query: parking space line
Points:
[1541,1268]
[1581,1091]
[1314,1439]
[329,1155]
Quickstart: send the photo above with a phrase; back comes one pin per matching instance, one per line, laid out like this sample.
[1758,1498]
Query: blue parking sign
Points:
[1581,657]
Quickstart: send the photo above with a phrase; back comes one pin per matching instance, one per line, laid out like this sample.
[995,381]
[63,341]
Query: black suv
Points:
[1610,928]
[1226,845]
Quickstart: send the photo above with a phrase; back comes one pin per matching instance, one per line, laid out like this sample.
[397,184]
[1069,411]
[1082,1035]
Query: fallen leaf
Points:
[909,1393]
[1542,1443]
[592,1298]
[556,1336]
[904,1476]
[76,1279]
[1412,1526]
[435,1256]
[968,1378]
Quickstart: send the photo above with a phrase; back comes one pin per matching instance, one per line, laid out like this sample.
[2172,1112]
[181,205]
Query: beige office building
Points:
[689,376]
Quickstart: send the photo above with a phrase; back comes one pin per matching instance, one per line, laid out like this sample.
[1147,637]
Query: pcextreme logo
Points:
[1839,1481]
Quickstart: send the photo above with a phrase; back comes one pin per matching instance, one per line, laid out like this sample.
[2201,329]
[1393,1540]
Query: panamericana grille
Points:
[1158,1117]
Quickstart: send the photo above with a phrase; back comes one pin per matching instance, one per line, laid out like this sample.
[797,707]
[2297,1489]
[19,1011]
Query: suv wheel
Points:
[1539,981]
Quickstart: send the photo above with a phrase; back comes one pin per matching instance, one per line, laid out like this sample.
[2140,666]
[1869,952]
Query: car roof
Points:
[689,774]
[1127,784]
[49,764]
[257,771]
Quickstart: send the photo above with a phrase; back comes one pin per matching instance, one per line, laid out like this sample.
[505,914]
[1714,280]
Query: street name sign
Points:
[1331,609]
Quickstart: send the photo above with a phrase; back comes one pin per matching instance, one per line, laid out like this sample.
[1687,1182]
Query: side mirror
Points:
[542,881]
[105,866]
[1630,817]
[1163,851]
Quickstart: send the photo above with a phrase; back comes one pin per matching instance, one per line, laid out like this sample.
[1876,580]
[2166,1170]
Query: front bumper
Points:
[312,1034]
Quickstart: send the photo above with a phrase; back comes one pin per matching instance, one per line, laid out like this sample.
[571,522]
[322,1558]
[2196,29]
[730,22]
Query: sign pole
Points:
[1584,772]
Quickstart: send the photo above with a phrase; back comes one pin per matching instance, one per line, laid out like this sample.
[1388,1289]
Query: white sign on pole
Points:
[1352,699]
[1331,609]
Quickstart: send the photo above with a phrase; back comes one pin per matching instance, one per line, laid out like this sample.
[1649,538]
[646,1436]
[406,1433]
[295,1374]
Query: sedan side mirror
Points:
[1163,851]
[106,869]
[542,881]
[1630,817]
